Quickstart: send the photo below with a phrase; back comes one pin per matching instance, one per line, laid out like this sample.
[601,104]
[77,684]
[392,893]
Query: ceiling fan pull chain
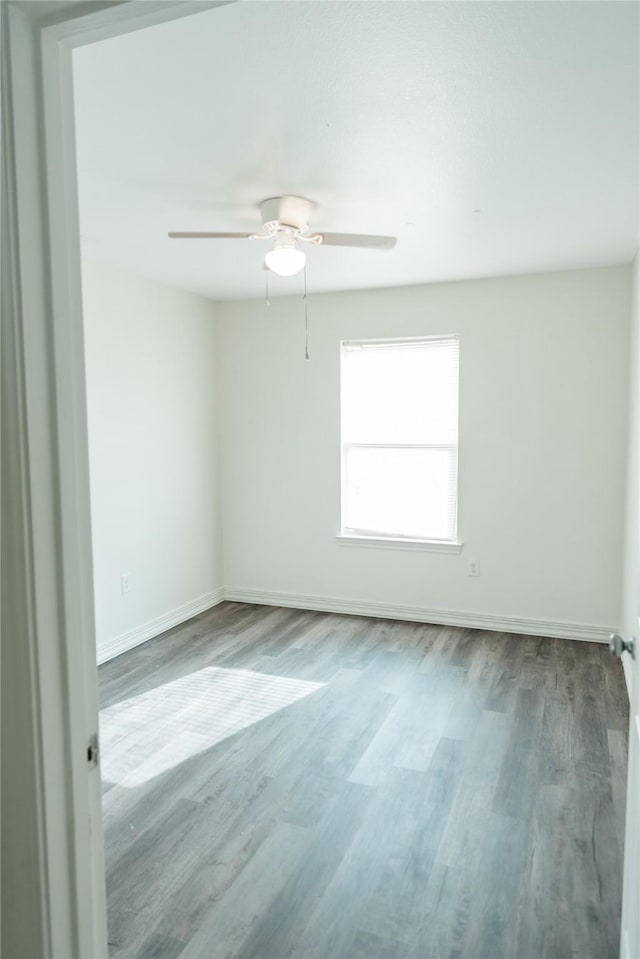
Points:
[306,318]
[266,284]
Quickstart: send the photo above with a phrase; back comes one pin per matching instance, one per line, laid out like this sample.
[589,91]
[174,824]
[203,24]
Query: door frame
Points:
[53,897]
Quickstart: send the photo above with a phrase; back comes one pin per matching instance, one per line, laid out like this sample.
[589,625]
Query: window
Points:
[399,407]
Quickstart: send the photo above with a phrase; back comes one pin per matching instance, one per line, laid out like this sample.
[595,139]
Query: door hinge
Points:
[93,751]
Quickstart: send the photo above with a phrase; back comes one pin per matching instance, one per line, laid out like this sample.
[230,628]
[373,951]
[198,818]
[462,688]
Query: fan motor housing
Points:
[286,211]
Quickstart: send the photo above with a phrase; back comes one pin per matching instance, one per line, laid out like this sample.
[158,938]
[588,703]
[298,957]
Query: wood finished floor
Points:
[309,785]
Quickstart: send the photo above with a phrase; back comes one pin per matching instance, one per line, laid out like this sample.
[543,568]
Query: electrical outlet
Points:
[474,567]
[125,583]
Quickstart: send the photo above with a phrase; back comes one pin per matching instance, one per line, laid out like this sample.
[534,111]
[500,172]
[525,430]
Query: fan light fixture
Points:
[285,258]
[285,222]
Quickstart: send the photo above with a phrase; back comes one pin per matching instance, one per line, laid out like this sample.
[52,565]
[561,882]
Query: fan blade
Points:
[209,236]
[356,239]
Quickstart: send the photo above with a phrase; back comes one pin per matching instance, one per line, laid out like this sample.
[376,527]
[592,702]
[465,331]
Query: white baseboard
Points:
[134,637]
[419,614]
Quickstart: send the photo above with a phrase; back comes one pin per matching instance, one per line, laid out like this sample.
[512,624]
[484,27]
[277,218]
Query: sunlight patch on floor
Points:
[145,736]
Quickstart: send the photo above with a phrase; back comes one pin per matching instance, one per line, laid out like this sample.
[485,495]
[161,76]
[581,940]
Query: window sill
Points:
[390,542]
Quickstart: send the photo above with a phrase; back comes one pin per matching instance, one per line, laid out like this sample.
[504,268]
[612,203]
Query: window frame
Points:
[351,536]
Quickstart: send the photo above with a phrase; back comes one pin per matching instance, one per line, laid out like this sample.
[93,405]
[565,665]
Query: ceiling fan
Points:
[285,222]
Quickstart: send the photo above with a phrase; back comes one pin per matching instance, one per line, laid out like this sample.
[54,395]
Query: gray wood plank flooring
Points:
[280,784]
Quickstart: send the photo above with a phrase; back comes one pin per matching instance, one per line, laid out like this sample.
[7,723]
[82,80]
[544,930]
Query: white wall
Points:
[631,579]
[543,430]
[152,385]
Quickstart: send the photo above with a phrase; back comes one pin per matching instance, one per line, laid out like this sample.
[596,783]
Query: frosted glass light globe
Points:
[285,258]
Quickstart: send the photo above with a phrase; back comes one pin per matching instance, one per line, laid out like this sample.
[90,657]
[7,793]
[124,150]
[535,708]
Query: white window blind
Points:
[399,408]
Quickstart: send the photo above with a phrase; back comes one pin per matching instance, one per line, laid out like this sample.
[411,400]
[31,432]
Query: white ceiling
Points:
[492,138]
